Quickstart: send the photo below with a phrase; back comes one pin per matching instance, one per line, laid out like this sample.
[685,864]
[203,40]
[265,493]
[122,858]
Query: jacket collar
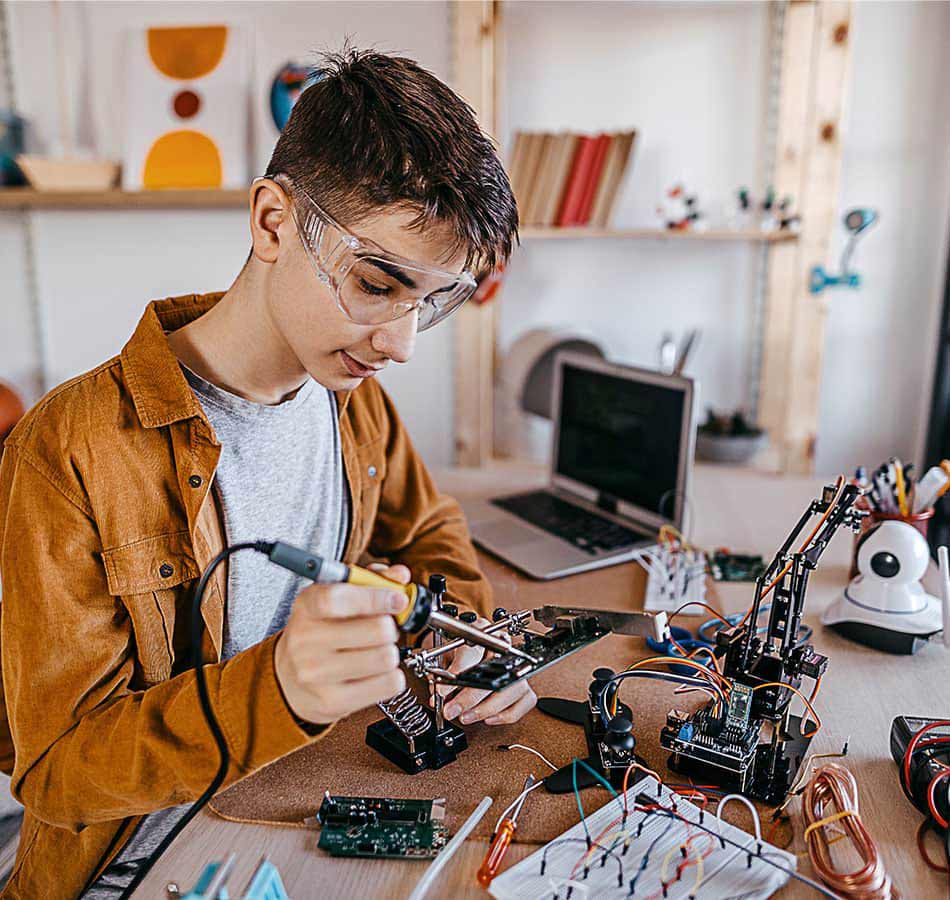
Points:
[159,390]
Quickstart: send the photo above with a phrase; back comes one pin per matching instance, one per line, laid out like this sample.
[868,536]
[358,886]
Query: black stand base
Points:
[772,773]
[430,750]
[578,713]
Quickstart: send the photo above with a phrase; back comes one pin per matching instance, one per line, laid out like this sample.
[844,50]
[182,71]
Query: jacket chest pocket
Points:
[371,460]
[152,578]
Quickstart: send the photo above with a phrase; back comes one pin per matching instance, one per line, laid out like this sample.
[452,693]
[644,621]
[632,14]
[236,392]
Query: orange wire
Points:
[802,696]
[674,661]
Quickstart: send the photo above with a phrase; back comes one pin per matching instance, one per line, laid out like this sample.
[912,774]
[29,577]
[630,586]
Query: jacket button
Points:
[195,481]
[166,570]
[371,471]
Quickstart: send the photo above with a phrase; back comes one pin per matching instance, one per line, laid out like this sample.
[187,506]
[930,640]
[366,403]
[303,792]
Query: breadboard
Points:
[675,577]
[653,837]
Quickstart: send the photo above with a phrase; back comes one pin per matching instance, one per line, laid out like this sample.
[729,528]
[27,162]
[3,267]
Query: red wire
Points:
[912,746]
[931,801]
[922,847]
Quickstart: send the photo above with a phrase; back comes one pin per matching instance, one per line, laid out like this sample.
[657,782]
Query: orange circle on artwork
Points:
[186,104]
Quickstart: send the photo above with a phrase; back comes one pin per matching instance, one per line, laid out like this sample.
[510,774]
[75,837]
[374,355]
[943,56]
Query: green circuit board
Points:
[382,827]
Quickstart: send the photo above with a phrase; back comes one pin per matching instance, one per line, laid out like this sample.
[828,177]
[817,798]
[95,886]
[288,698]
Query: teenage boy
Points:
[248,415]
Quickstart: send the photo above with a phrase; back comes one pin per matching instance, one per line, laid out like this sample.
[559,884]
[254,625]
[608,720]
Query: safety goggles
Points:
[372,285]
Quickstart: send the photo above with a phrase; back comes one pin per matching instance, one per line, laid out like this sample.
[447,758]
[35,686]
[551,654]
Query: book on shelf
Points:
[568,179]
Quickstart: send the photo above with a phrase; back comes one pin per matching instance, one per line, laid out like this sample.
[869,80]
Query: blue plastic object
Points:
[266,884]
[820,279]
[204,882]
[683,637]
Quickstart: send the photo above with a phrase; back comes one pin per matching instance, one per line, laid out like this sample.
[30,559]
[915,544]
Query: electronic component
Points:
[569,634]
[726,566]
[763,670]
[929,757]
[610,750]
[382,827]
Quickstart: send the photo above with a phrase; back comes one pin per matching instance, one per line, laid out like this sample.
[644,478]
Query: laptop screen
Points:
[622,436]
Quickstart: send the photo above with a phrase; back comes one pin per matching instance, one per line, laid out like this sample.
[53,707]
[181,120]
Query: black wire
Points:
[197,630]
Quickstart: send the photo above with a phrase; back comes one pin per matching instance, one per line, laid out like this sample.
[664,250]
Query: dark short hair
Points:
[377,130]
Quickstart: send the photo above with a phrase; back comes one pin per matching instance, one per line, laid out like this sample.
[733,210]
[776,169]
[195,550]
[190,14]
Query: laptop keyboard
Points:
[583,529]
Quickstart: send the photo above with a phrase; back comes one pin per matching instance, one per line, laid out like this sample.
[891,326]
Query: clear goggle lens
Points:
[374,290]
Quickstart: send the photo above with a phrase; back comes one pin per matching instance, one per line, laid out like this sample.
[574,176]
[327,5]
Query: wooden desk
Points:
[862,693]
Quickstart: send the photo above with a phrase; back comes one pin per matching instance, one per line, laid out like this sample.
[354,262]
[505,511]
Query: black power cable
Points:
[197,629]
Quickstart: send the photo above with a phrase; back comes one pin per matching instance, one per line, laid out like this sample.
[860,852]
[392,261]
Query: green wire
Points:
[577,797]
[577,794]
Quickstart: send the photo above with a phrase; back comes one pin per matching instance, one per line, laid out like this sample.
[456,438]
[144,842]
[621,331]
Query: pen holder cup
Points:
[920,521]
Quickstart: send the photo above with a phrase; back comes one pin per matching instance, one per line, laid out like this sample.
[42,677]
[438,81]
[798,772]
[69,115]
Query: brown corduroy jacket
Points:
[106,521]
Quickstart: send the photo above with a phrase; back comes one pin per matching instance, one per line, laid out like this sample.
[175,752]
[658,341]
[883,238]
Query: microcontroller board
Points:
[568,634]
[382,827]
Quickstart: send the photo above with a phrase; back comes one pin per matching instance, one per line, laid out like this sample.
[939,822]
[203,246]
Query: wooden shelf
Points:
[28,198]
[530,232]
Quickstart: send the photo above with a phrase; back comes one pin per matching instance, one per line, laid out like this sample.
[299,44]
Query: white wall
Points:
[878,361]
[691,77]
[97,270]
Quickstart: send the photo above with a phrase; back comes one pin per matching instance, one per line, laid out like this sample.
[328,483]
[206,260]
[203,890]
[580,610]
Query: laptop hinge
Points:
[607,503]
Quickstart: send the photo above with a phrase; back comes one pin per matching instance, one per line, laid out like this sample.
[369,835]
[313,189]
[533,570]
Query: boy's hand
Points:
[338,652]
[493,708]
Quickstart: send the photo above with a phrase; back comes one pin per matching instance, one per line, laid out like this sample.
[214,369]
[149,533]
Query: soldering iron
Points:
[418,612]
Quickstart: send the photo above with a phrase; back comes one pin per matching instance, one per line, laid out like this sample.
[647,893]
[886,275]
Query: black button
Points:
[195,481]
[468,617]
[166,570]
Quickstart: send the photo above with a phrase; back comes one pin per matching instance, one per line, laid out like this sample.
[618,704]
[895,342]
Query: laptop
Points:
[620,468]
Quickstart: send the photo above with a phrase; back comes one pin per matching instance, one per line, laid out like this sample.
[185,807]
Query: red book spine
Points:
[599,154]
[577,180]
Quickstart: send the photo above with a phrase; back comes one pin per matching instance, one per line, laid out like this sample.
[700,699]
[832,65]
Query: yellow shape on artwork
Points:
[182,159]
[187,53]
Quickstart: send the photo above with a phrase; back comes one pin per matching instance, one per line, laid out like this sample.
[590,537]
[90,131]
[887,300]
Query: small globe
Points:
[289,83]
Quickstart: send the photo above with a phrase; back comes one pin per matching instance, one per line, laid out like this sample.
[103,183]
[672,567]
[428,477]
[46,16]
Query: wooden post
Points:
[474,364]
[815,63]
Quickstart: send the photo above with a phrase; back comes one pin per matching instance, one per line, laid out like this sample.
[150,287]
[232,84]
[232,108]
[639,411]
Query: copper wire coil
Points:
[832,790]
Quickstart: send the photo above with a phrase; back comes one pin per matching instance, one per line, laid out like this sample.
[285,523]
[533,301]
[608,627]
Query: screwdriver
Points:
[502,838]
[418,611]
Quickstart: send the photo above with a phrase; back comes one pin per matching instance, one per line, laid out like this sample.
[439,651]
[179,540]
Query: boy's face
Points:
[335,351]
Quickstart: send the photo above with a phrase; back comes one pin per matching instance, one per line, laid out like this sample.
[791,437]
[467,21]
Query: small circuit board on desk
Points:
[567,635]
[382,827]
[726,566]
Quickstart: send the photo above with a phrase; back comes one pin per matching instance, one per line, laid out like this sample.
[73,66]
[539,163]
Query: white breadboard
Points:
[675,577]
[726,871]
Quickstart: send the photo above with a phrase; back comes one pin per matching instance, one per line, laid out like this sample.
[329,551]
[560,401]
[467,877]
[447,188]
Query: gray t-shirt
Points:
[280,477]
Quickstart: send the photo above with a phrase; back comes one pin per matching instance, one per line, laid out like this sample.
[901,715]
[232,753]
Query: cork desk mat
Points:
[291,789]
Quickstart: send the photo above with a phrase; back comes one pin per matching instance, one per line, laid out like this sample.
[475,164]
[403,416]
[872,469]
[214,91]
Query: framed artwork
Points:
[186,109]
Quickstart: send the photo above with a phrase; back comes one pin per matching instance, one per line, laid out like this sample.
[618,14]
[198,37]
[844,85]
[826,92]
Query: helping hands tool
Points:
[502,838]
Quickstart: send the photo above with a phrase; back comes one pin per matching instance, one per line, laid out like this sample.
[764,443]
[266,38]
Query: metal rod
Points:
[474,635]
[435,653]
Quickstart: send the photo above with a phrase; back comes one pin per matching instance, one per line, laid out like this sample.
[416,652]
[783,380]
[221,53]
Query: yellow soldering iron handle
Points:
[367,578]
[412,617]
